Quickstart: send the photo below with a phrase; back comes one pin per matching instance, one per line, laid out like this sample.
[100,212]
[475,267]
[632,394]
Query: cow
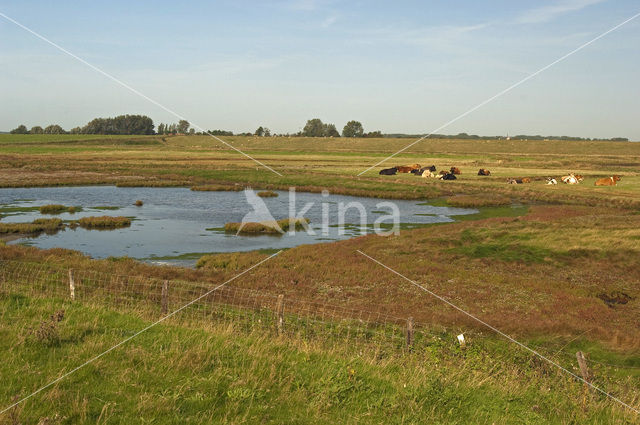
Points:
[408,168]
[388,171]
[608,181]
[416,172]
[570,179]
[455,170]
[443,172]
[448,176]
[432,169]
[579,178]
[483,172]
[513,181]
[427,173]
[526,180]
[551,180]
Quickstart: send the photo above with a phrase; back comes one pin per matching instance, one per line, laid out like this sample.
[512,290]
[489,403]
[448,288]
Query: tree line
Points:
[143,125]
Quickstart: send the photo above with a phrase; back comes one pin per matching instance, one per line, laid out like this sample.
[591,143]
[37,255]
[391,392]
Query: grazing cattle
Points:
[416,172]
[432,168]
[579,178]
[427,173]
[455,170]
[483,172]
[443,173]
[388,171]
[608,181]
[513,181]
[448,176]
[526,180]
[551,180]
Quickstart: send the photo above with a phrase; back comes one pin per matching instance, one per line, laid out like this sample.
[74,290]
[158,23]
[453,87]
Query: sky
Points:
[397,67]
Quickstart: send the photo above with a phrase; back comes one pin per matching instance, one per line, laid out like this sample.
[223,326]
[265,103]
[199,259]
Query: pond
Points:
[178,225]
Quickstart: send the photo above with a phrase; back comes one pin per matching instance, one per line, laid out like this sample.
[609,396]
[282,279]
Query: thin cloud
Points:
[548,13]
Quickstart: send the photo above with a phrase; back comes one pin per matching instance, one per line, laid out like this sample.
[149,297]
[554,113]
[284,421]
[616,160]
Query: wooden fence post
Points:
[280,314]
[165,297]
[72,285]
[584,371]
[409,333]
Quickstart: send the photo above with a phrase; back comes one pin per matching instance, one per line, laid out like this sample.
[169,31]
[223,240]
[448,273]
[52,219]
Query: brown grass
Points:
[104,222]
[267,194]
[36,226]
[266,227]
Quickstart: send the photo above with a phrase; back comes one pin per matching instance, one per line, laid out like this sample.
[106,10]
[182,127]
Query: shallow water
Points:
[177,225]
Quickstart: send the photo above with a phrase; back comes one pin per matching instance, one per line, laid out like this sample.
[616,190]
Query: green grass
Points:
[191,372]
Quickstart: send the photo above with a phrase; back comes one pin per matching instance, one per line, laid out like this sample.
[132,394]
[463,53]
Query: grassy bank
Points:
[182,372]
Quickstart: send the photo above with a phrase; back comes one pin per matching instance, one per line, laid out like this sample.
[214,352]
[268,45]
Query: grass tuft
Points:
[53,209]
[36,226]
[267,194]
[104,222]
[265,227]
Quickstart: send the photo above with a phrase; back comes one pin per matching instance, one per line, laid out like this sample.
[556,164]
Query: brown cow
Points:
[608,181]
[443,173]
[455,170]
[526,180]
[408,168]
[483,172]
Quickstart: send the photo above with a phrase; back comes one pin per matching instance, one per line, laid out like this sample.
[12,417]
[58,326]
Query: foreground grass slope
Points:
[194,372]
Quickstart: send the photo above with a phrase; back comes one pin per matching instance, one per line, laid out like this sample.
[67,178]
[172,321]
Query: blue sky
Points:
[406,66]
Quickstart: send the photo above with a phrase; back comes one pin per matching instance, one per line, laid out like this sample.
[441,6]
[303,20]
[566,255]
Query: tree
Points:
[122,124]
[267,132]
[75,130]
[377,133]
[192,131]
[183,126]
[36,130]
[313,128]
[353,129]
[330,130]
[161,128]
[21,129]
[53,129]
[259,132]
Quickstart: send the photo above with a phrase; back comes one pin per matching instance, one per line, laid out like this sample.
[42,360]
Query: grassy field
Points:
[555,266]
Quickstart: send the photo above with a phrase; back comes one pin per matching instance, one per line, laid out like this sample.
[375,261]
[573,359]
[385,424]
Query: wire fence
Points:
[244,309]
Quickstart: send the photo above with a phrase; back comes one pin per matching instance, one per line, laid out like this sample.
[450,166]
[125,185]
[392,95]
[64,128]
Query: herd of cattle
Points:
[427,172]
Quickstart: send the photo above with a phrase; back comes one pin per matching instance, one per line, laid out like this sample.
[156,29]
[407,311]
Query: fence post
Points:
[72,285]
[584,371]
[280,314]
[165,297]
[582,362]
[409,333]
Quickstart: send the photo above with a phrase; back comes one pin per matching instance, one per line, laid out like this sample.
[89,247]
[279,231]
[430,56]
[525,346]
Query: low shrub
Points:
[104,222]
[139,203]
